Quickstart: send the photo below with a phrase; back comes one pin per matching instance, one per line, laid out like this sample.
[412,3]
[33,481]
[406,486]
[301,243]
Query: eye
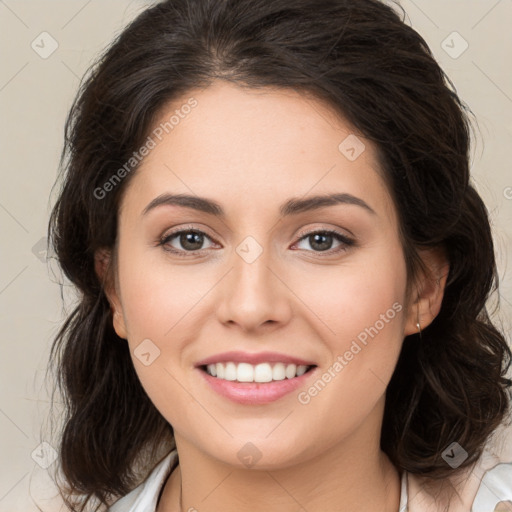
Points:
[189,241]
[322,241]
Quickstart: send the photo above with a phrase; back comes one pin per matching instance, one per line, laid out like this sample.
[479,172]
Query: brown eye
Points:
[322,241]
[184,241]
[191,240]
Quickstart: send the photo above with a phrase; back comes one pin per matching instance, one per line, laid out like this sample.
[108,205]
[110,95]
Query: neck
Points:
[353,475]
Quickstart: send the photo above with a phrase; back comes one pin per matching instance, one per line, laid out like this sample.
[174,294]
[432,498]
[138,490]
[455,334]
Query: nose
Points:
[253,296]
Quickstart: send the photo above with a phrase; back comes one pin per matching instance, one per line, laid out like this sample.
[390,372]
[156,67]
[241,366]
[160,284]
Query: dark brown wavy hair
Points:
[369,66]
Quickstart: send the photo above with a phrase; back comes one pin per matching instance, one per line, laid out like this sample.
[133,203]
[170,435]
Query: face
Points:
[319,283]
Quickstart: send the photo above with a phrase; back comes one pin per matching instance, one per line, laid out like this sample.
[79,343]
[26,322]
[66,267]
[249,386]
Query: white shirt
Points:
[144,497]
[495,487]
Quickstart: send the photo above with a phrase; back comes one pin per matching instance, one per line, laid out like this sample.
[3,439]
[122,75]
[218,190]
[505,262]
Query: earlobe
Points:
[427,300]
[102,261]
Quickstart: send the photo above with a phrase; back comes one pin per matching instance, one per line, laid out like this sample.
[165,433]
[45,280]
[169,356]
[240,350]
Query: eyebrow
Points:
[291,207]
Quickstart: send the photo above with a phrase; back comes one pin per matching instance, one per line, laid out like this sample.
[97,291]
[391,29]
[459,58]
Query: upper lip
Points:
[253,358]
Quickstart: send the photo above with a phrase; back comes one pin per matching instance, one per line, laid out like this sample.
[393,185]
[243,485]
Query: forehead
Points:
[266,145]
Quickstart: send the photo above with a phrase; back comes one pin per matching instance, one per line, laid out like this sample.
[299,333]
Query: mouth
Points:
[258,373]
[258,384]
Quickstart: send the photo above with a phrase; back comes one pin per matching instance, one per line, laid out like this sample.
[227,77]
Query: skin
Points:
[250,151]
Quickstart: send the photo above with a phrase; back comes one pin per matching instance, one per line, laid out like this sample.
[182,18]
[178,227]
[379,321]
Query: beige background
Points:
[35,95]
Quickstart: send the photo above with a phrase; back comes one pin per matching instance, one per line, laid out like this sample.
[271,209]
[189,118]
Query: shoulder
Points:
[486,486]
[145,496]
[495,490]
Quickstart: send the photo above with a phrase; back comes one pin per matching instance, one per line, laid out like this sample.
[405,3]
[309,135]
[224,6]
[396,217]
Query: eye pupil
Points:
[191,240]
[317,240]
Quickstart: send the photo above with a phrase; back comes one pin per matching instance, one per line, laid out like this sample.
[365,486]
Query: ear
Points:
[427,297]
[102,262]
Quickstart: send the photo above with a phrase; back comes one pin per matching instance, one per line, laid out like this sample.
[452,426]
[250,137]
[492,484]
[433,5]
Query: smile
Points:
[267,389]
[263,372]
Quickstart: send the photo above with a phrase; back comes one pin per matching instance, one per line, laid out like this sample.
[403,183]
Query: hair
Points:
[363,61]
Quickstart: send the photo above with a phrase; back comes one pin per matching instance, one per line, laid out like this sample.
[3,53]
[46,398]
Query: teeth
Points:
[301,370]
[230,371]
[263,372]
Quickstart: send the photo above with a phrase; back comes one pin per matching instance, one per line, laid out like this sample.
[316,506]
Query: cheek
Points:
[156,294]
[156,305]
[360,315]
[163,305]
[357,295]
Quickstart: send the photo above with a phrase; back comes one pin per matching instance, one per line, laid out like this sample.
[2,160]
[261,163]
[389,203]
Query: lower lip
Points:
[255,393]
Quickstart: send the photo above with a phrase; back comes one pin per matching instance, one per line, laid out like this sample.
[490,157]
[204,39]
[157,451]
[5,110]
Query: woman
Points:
[283,268]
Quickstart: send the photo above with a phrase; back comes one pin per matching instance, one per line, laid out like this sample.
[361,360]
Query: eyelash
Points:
[346,241]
